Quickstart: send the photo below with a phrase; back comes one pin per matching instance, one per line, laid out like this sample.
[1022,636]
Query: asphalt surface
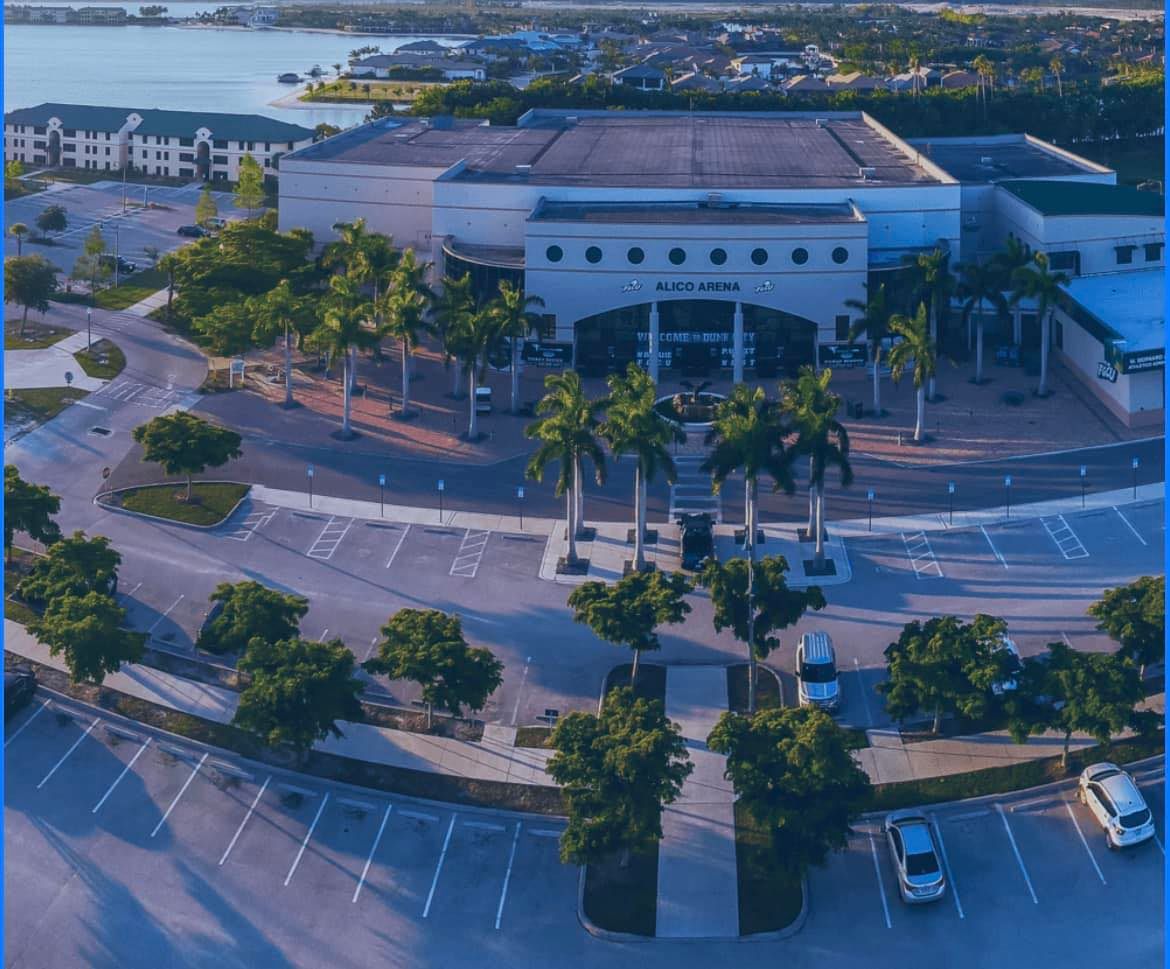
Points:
[124,849]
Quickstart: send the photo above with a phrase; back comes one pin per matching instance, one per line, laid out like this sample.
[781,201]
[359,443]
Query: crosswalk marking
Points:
[250,523]
[330,537]
[691,492]
[1067,541]
[921,555]
[470,554]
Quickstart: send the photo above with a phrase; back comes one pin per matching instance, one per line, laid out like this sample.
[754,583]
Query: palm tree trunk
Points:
[1045,324]
[353,367]
[921,395]
[931,389]
[979,351]
[170,293]
[812,501]
[345,393]
[19,247]
[1064,752]
[819,557]
[457,386]
[188,489]
[472,421]
[877,387]
[937,718]
[639,528]
[23,321]
[515,375]
[571,524]
[405,377]
[634,668]
[751,547]
[288,394]
[579,492]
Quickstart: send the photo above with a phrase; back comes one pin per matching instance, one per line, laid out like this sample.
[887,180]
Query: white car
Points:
[1117,804]
[1006,686]
[915,857]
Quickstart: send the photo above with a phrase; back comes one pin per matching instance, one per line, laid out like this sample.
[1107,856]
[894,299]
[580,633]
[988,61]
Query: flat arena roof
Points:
[631,149]
[974,161]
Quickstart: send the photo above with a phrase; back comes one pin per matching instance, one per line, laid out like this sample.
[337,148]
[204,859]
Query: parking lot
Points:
[127,844]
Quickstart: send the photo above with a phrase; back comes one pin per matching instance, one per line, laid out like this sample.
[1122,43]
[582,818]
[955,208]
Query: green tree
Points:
[1036,282]
[793,769]
[515,320]
[404,314]
[298,691]
[566,427]
[915,350]
[18,230]
[628,612]
[72,566]
[87,631]
[185,444]
[934,286]
[616,770]
[754,601]
[168,264]
[28,508]
[632,427]
[153,255]
[205,207]
[873,321]
[278,312]
[249,193]
[473,334]
[427,647]
[29,281]
[980,283]
[247,610]
[1133,616]
[946,666]
[455,301]
[345,327]
[226,331]
[89,265]
[52,218]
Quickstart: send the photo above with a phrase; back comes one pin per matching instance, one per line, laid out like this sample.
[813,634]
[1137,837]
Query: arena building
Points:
[688,242]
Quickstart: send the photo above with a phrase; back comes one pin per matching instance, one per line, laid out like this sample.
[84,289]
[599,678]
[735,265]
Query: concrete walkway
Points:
[491,759]
[47,366]
[145,306]
[698,895]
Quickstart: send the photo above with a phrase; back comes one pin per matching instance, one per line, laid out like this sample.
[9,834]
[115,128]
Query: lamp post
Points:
[951,502]
[1135,464]
[309,475]
[869,498]
[1007,494]
[442,488]
[520,504]
[382,496]
[88,329]
[1084,471]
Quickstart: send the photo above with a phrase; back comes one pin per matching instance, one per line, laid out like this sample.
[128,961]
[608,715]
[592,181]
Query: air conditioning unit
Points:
[714,199]
[986,160]
[867,174]
[524,170]
[822,122]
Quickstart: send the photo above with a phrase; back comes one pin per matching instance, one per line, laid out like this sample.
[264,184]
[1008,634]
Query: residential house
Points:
[760,65]
[385,66]
[644,77]
[954,80]
[746,83]
[854,81]
[694,81]
[101,16]
[806,84]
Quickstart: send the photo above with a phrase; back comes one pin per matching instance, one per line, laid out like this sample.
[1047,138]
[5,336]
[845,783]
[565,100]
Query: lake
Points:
[181,68]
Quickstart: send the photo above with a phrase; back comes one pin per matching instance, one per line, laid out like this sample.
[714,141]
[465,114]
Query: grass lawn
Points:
[14,571]
[533,736]
[769,895]
[394,91]
[40,404]
[651,680]
[104,360]
[210,503]
[84,176]
[135,288]
[623,899]
[767,687]
[37,335]
[15,188]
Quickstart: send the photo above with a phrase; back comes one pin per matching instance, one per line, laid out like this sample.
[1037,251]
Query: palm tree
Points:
[280,309]
[934,286]
[566,428]
[1011,257]
[748,433]
[1038,283]
[515,320]
[404,309]
[872,322]
[473,333]
[455,302]
[18,230]
[343,329]
[916,348]
[364,256]
[632,426]
[169,264]
[980,283]
[812,408]
[1056,65]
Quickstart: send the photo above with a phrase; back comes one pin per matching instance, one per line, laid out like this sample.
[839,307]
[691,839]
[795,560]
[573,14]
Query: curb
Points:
[97,500]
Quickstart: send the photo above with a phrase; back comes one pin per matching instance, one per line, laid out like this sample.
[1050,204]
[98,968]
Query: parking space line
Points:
[373,848]
[252,523]
[240,830]
[1081,835]
[483,825]
[182,791]
[544,833]
[305,843]
[507,876]
[520,691]
[877,870]
[417,816]
[993,548]
[921,555]
[470,554]
[861,687]
[65,756]
[1016,849]
[118,779]
[942,847]
[394,554]
[154,625]
[439,867]
[19,730]
[1068,543]
[1129,525]
[326,543]
[1158,842]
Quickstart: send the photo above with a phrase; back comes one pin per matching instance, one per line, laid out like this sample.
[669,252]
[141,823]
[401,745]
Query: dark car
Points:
[698,541]
[194,231]
[19,686]
[124,266]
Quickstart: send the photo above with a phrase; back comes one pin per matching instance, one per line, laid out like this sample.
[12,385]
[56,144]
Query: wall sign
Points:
[1141,360]
[1106,371]
[843,356]
[555,355]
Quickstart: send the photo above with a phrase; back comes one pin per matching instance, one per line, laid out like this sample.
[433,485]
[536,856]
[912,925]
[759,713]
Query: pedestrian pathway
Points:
[691,492]
[47,366]
[698,895]
[144,307]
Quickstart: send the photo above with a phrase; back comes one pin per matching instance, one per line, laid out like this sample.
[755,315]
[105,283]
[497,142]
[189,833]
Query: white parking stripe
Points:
[470,554]
[942,847]
[394,554]
[544,833]
[373,848]
[182,791]
[1158,842]
[240,829]
[1129,525]
[154,625]
[417,816]
[19,730]
[483,825]
[1015,848]
[65,756]
[118,779]
[305,843]
[507,876]
[921,555]
[861,687]
[1067,541]
[1081,835]
[877,870]
[326,543]
[993,548]
[439,867]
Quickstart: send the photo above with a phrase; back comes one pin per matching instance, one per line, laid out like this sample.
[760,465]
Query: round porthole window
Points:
[840,255]
[593,254]
[718,257]
[554,253]
[800,256]
[677,256]
[759,256]
[635,255]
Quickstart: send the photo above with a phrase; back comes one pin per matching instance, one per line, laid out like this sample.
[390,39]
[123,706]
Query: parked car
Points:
[1117,804]
[1009,684]
[698,540]
[483,400]
[816,672]
[915,857]
[205,627]
[20,684]
[125,266]
[193,231]
[216,223]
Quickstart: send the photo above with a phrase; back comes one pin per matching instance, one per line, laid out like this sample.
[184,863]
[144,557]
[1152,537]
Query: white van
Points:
[816,672]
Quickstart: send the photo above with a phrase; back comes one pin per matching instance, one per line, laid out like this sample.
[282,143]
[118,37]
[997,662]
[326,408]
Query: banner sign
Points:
[843,356]
[1141,360]
[555,355]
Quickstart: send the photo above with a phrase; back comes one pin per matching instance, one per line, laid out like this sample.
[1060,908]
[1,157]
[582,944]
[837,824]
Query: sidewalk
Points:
[492,759]
[46,367]
[698,895]
[145,306]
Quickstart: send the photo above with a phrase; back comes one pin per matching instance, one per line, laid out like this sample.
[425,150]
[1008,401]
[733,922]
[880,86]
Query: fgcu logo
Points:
[633,286]
[767,286]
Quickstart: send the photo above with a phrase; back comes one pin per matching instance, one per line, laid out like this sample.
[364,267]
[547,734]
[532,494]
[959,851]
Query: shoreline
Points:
[292,100]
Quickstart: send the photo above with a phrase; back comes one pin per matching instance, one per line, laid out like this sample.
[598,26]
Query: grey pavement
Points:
[697,893]
[47,366]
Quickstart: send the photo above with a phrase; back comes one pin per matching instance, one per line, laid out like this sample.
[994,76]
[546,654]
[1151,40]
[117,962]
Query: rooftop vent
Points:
[822,122]
[714,200]
[524,170]
[986,160]
[571,119]
[867,174]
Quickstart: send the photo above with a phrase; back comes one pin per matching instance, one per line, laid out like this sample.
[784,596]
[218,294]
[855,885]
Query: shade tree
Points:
[185,444]
[242,611]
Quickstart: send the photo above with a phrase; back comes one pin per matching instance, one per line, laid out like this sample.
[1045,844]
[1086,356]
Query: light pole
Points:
[124,167]
[869,498]
[309,475]
[382,495]
[1134,464]
[520,505]
[117,251]
[442,488]
[88,329]
[1007,494]
[951,501]
[1084,471]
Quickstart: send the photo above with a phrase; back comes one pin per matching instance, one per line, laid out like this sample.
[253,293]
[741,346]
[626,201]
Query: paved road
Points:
[124,851]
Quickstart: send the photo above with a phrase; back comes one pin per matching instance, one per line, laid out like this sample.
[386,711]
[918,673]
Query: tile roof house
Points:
[642,76]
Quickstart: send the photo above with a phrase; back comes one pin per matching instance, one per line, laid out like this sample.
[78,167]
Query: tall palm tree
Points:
[515,320]
[916,349]
[454,302]
[748,433]
[1011,257]
[633,427]
[980,283]
[343,329]
[1056,65]
[1038,283]
[812,408]
[280,309]
[873,319]
[409,275]
[18,230]
[566,427]
[474,332]
[404,319]
[934,285]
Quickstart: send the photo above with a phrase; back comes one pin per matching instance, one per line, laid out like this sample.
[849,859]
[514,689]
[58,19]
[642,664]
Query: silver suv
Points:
[816,672]
[915,856]
[1117,804]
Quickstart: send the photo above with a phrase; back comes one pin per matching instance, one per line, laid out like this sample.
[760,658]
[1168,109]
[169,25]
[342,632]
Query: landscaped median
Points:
[211,502]
[103,360]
